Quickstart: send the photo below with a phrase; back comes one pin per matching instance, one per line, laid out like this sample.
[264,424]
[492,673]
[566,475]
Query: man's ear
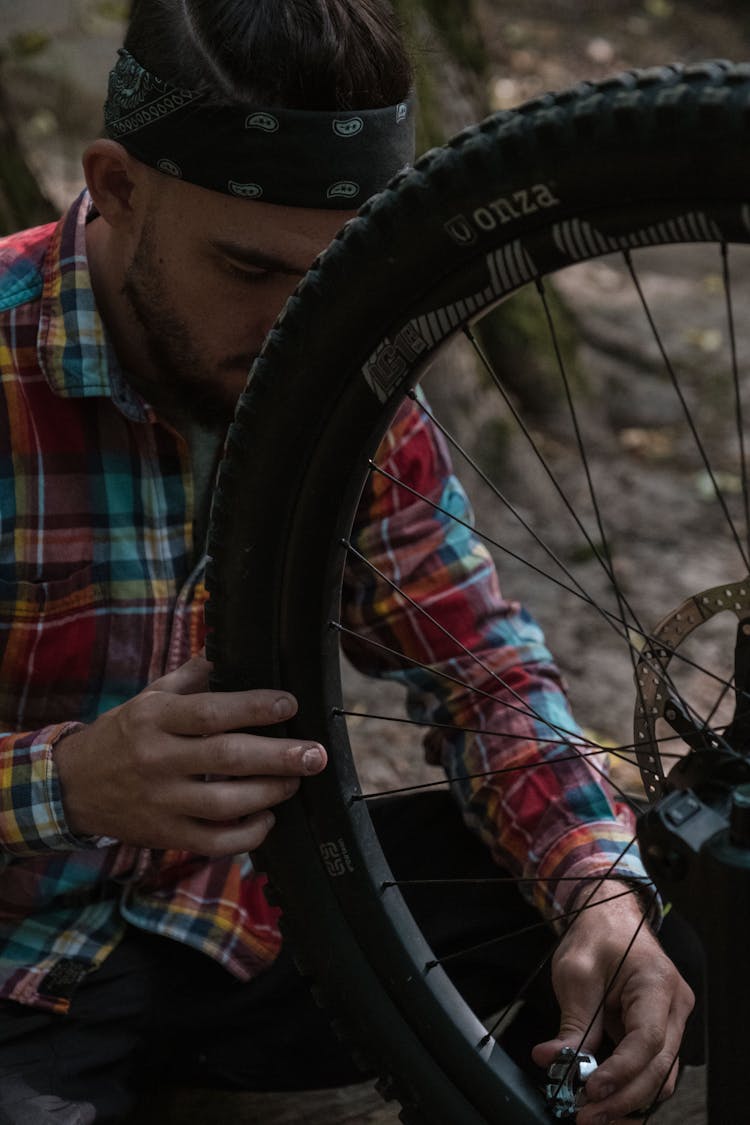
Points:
[115,180]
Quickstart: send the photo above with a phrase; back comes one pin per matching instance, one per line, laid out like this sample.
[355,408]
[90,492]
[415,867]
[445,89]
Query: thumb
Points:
[574,1021]
[189,679]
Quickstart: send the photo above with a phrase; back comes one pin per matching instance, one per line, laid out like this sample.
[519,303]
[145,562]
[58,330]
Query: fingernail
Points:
[312,760]
[604,1092]
[283,707]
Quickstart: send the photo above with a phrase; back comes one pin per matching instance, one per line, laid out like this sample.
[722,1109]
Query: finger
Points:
[191,677]
[231,800]
[579,994]
[638,1096]
[214,841]
[616,1090]
[544,1054]
[215,712]
[654,1017]
[245,755]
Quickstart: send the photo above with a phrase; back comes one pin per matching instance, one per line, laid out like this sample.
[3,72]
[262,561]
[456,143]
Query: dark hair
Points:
[297,54]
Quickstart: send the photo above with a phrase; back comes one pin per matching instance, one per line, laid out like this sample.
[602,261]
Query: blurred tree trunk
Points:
[452,65]
[22,201]
[453,74]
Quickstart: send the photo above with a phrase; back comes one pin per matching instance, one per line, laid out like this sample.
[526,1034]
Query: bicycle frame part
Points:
[698,851]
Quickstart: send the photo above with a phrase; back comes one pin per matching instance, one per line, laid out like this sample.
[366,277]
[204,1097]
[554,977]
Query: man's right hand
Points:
[138,773]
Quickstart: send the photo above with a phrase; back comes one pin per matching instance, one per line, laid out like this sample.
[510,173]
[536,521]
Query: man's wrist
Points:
[622,896]
[64,755]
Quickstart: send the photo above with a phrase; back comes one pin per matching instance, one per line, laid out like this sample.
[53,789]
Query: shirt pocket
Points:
[53,649]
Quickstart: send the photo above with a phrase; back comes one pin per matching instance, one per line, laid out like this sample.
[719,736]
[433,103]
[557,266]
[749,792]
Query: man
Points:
[125,339]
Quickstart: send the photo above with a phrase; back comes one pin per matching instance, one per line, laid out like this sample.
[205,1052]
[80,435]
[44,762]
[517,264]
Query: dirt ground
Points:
[669,542]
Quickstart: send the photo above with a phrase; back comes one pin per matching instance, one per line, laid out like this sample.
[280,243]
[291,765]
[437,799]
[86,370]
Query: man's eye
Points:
[248,275]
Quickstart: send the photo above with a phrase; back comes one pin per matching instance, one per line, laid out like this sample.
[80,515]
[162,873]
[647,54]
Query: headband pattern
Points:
[297,158]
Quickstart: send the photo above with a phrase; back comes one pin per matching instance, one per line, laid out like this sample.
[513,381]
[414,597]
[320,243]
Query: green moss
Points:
[27,43]
[586,552]
[430,126]
[22,201]
[493,446]
[454,23]
[113,9]
[516,340]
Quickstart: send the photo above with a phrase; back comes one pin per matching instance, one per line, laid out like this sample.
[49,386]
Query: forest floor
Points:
[58,54]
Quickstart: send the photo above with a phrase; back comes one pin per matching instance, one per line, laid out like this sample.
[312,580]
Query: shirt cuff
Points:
[32,816]
[604,851]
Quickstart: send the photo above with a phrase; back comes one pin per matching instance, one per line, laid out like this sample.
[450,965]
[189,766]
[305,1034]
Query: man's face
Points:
[207,279]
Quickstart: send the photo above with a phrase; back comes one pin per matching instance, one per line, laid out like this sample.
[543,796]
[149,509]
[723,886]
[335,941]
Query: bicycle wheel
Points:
[582,180]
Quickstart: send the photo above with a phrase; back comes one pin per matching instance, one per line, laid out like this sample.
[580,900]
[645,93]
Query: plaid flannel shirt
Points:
[101,593]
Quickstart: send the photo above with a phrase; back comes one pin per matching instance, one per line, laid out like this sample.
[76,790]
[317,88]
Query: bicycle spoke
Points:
[612,619]
[620,964]
[429,723]
[717,704]
[686,409]
[514,879]
[610,985]
[522,710]
[738,411]
[471,461]
[424,785]
[579,593]
[544,961]
[421,610]
[535,449]
[607,564]
[653,1107]
[521,707]
[622,602]
[533,927]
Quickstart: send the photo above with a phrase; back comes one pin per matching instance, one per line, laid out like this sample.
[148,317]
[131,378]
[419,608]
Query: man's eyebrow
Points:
[259,259]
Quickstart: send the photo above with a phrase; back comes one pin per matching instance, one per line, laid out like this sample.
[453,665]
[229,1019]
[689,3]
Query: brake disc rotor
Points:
[654,695]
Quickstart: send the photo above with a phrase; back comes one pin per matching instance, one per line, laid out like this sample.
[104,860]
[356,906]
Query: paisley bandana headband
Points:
[297,158]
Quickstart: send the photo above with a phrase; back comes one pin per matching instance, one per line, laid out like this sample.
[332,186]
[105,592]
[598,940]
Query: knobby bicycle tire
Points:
[645,158]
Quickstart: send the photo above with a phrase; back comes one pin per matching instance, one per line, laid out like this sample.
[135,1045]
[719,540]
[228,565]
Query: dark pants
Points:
[158,1013]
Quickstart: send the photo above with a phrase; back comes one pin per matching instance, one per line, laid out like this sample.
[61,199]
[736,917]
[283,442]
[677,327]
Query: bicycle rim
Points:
[644,160]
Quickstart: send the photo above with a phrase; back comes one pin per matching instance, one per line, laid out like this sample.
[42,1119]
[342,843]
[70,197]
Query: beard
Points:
[184,385]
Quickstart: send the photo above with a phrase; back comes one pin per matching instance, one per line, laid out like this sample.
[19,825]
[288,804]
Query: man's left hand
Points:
[644,1014]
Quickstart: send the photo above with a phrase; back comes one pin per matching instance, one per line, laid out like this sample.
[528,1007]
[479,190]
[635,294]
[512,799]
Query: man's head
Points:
[189,272]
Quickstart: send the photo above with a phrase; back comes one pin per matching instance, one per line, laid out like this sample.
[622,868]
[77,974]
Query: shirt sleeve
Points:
[32,820]
[477,664]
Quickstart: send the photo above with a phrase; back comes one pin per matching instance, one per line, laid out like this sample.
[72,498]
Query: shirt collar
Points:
[75,353]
